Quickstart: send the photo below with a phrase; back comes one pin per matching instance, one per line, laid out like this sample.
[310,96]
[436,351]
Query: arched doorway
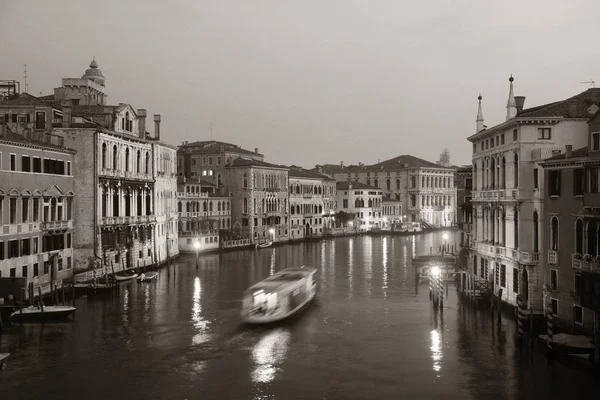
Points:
[307,230]
[525,286]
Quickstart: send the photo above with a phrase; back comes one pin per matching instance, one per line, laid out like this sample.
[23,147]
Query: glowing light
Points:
[385,219]
[196,244]
[435,271]
[445,236]
[271,231]
[436,350]
[200,324]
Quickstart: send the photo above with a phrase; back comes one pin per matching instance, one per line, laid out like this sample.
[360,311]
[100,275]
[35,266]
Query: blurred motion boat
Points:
[279,296]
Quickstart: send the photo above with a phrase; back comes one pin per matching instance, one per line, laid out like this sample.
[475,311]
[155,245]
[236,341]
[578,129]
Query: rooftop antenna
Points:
[25,78]
[591,82]
[210,129]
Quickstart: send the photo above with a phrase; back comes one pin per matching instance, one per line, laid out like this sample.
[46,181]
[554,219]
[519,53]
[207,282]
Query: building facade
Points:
[204,216]
[508,190]
[259,199]
[36,203]
[165,198]
[425,189]
[392,212]
[572,238]
[312,203]
[464,208]
[364,201]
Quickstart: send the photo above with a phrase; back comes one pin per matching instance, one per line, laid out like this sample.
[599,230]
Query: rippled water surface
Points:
[371,334]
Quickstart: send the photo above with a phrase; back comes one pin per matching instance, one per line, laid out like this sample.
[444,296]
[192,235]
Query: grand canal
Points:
[371,334]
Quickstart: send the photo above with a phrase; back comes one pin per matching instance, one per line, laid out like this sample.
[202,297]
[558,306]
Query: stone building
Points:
[36,199]
[114,171]
[208,160]
[391,211]
[259,199]
[312,203]
[571,241]
[508,189]
[164,196]
[204,216]
[425,189]
[364,201]
[464,210]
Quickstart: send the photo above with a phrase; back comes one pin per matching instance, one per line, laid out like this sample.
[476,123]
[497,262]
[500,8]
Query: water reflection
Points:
[200,323]
[125,312]
[385,267]
[272,268]
[268,354]
[146,303]
[436,350]
[368,263]
[350,268]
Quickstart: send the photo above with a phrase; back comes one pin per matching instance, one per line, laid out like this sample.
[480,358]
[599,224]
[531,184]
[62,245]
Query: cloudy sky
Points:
[311,81]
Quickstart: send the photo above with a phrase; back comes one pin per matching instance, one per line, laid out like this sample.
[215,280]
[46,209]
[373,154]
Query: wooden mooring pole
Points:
[550,328]
[520,319]
[597,338]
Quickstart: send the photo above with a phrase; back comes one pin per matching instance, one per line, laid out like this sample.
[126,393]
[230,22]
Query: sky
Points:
[311,81]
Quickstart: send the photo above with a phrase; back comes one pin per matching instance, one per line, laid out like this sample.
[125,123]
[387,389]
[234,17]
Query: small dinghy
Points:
[150,276]
[570,344]
[263,245]
[125,277]
[43,313]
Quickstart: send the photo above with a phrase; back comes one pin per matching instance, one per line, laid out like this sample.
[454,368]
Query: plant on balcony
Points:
[576,256]
[587,258]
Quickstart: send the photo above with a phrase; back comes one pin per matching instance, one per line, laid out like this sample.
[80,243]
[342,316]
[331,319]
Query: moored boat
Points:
[45,313]
[150,276]
[279,296]
[125,277]
[263,245]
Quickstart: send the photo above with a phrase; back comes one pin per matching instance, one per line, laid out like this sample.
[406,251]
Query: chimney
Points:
[568,151]
[67,109]
[572,108]
[157,126]
[256,150]
[520,101]
[320,169]
[142,122]
[342,164]
[2,130]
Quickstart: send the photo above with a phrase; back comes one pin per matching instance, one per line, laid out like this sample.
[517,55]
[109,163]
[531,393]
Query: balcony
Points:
[193,195]
[552,257]
[307,195]
[586,263]
[56,225]
[591,200]
[128,220]
[116,173]
[576,261]
[528,257]
[542,154]
[495,195]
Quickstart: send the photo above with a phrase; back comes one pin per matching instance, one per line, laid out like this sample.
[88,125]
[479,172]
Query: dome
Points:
[94,74]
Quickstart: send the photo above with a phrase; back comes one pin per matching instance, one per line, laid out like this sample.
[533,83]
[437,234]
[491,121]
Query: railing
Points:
[552,257]
[495,194]
[189,194]
[198,233]
[590,264]
[529,257]
[56,224]
[117,173]
[576,261]
[128,220]
[307,195]
[236,243]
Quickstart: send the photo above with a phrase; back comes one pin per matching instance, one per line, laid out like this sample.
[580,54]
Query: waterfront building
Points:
[425,189]
[362,201]
[464,210]
[208,159]
[572,238]
[392,212]
[113,167]
[259,199]
[508,191]
[164,196]
[36,199]
[312,203]
[204,215]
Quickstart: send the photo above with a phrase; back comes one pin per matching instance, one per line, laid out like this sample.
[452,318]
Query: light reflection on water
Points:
[268,355]
[436,350]
[384,263]
[199,322]
[351,268]
[146,302]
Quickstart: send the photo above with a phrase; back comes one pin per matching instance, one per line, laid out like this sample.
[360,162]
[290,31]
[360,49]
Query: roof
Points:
[24,99]
[296,172]
[245,162]
[561,108]
[581,152]
[465,169]
[355,185]
[407,161]
[390,199]
[16,138]
[214,146]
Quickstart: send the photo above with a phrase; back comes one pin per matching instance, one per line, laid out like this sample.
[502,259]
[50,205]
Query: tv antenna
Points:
[591,82]
[25,78]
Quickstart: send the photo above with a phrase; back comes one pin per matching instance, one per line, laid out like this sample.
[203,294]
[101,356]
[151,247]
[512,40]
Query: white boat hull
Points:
[148,277]
[278,314]
[121,278]
[36,314]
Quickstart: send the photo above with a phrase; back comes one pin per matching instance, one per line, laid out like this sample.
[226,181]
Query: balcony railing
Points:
[495,194]
[552,257]
[529,257]
[587,262]
[47,225]
[117,173]
[195,195]
[576,261]
[128,220]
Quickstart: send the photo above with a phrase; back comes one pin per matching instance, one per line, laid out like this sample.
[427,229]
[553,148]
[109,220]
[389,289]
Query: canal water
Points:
[371,334]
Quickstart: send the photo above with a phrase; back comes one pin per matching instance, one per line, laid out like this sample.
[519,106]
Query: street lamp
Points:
[272,234]
[197,247]
[435,271]
[445,237]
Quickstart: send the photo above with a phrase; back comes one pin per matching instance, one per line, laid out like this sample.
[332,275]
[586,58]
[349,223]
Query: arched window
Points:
[138,163]
[423,181]
[103,155]
[245,183]
[245,205]
[536,232]
[413,200]
[127,159]
[204,206]
[219,205]
[554,234]
[592,234]
[179,206]
[503,226]
[147,169]
[413,181]
[368,182]
[398,184]
[210,206]
[579,236]
[388,184]
[516,171]
[376,182]
[115,157]
[503,172]
[493,173]
[187,207]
